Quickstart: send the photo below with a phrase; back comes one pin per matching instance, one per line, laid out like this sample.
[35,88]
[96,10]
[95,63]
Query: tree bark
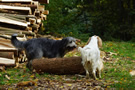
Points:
[71,65]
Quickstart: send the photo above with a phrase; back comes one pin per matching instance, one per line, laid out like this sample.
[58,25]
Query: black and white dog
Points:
[43,47]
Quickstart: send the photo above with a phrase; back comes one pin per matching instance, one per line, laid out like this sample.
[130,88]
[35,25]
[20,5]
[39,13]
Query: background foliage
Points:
[110,19]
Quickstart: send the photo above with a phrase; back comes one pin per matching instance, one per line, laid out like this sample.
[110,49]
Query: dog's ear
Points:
[99,42]
[88,40]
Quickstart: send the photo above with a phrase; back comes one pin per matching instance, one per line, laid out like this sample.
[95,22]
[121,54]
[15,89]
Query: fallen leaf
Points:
[132,72]
[32,76]
[2,68]
[69,84]
[97,87]
[7,77]
[26,83]
[61,86]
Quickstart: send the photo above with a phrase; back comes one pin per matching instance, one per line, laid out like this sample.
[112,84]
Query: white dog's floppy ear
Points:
[88,40]
[99,42]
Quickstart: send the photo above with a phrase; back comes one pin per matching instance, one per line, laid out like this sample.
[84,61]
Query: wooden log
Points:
[16,8]
[14,50]
[71,65]
[5,43]
[32,6]
[9,55]
[46,12]
[7,11]
[9,37]
[9,45]
[43,1]
[20,4]
[14,17]
[16,1]
[5,40]
[43,17]
[8,50]
[12,23]
[10,30]
[9,34]
[7,62]
[41,8]
[5,34]
[30,16]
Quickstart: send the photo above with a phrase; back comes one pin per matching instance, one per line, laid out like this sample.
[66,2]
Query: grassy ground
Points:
[118,68]
[119,61]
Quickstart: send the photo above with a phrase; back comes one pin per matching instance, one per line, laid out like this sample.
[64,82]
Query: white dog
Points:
[91,57]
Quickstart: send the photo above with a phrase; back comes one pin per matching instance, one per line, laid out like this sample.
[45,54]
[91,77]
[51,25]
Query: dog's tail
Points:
[16,42]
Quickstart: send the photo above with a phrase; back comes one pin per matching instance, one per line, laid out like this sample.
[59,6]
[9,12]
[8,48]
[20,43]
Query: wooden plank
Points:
[41,8]
[6,7]
[43,1]
[14,7]
[14,16]
[5,43]
[9,45]
[9,11]
[32,6]
[46,12]
[9,55]
[4,30]
[12,22]
[13,1]
[9,37]
[20,5]
[7,62]
[8,49]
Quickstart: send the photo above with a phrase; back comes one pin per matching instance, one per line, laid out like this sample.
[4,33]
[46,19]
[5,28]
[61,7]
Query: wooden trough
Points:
[71,65]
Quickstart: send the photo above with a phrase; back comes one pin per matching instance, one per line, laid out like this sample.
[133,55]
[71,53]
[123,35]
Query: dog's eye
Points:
[70,42]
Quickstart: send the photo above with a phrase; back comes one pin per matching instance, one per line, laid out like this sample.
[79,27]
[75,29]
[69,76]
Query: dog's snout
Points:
[75,45]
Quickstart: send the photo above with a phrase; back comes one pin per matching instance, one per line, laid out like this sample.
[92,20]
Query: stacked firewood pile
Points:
[23,17]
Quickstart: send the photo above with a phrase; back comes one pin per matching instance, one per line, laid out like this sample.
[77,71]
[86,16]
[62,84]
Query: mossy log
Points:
[71,65]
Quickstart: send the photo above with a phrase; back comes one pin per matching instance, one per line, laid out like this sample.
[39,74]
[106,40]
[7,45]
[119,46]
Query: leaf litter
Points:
[67,82]
[56,82]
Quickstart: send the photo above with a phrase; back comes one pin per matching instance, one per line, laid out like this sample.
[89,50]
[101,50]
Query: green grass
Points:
[118,70]
[124,49]
[115,74]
